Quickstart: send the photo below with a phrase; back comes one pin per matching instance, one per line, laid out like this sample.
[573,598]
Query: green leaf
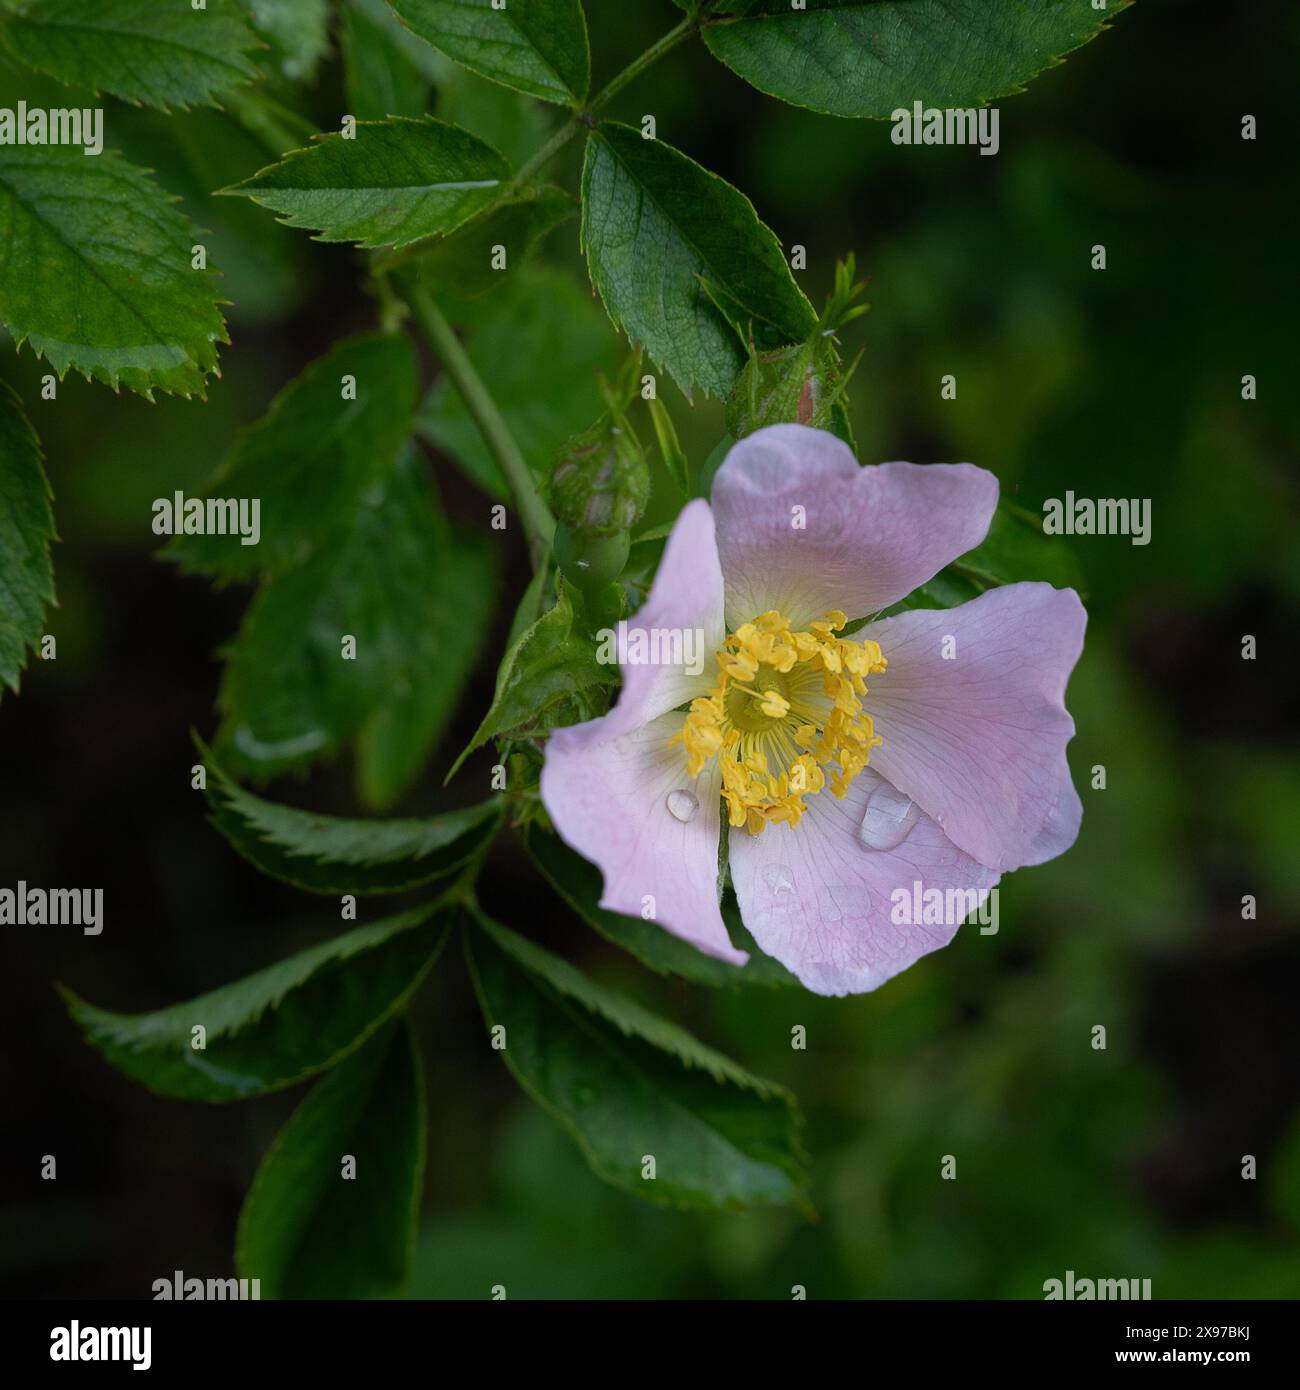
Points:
[26,530]
[670,449]
[1017,549]
[395,182]
[307,1232]
[273,1028]
[312,457]
[462,265]
[509,121]
[578,882]
[95,272]
[549,676]
[627,1084]
[416,598]
[329,854]
[654,223]
[298,32]
[382,77]
[537,345]
[871,57]
[153,54]
[535,46]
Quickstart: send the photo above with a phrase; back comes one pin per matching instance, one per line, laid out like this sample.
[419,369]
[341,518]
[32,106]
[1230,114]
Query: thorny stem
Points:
[539,524]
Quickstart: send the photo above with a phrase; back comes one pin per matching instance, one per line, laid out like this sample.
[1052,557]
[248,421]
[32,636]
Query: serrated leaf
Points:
[162,55]
[26,531]
[381,77]
[304,1230]
[416,598]
[578,882]
[654,224]
[95,272]
[278,1026]
[535,46]
[509,121]
[464,264]
[396,181]
[538,345]
[298,32]
[627,1084]
[311,458]
[332,854]
[871,57]
[546,677]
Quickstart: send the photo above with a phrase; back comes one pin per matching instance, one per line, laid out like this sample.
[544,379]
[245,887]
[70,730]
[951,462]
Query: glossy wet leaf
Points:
[629,1085]
[306,1230]
[277,1026]
[654,224]
[578,882]
[395,181]
[26,531]
[871,57]
[535,46]
[143,51]
[335,854]
[96,272]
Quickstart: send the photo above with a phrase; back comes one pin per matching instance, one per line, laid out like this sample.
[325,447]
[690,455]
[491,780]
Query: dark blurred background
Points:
[1117,383]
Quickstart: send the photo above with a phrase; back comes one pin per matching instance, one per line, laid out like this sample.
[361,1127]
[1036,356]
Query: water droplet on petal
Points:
[777,878]
[889,817]
[682,805]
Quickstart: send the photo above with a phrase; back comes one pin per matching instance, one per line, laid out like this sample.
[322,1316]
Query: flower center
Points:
[784,719]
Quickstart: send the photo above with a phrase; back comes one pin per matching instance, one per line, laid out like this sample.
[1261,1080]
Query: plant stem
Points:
[539,524]
[638,65]
[560,137]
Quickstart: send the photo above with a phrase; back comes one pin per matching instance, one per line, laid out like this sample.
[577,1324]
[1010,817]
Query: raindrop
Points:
[889,817]
[682,805]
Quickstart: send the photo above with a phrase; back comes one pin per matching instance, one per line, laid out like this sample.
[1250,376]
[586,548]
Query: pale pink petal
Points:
[607,793]
[865,537]
[819,900]
[972,715]
[686,599]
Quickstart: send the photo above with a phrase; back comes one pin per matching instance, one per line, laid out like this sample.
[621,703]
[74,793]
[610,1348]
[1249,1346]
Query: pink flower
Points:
[853,776]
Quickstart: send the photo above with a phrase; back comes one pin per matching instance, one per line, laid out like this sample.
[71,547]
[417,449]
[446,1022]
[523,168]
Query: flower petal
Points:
[607,793]
[978,738]
[870,535]
[819,900]
[686,598]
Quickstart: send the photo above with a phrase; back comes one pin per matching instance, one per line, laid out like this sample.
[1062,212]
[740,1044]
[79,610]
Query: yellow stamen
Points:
[785,719]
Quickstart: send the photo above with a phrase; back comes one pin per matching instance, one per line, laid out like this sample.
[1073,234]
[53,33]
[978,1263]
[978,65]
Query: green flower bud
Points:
[803,383]
[589,561]
[600,484]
